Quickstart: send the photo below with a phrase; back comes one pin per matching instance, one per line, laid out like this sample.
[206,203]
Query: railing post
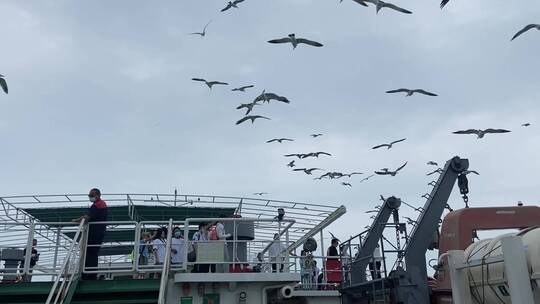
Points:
[166,266]
[186,245]
[29,245]
[235,240]
[55,261]
[82,247]
[287,251]
[137,247]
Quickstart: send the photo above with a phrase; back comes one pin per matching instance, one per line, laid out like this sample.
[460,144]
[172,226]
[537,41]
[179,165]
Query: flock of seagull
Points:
[267,97]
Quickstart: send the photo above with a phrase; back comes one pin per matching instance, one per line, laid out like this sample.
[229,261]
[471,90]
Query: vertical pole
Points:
[322,255]
[29,244]
[287,251]
[186,245]
[234,243]
[55,261]
[461,292]
[136,248]
[516,270]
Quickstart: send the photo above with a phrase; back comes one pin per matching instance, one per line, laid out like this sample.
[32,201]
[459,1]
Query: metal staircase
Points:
[65,284]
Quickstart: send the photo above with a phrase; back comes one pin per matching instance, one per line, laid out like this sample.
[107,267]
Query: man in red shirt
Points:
[96,232]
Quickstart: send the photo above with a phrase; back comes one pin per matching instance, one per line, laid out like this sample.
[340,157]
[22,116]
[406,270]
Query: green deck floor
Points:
[107,291]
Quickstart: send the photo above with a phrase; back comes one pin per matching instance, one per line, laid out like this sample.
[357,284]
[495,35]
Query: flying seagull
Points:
[267,97]
[3,84]
[279,140]
[291,164]
[331,175]
[252,117]
[411,92]
[379,4]
[526,28]
[388,146]
[385,171]
[526,124]
[232,4]
[480,133]
[346,184]
[209,83]
[243,88]
[316,135]
[316,154]
[299,155]
[203,33]
[248,106]
[353,173]
[432,163]
[260,193]
[291,38]
[307,171]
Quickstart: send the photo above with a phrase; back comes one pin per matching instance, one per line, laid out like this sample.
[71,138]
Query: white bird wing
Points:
[402,166]
[309,42]
[395,7]
[443,3]
[469,131]
[380,146]
[398,141]
[525,29]
[361,2]
[398,91]
[204,29]
[3,84]
[425,92]
[496,131]
[238,1]
[217,82]
[198,79]
[243,120]
[272,140]
[229,5]
[281,40]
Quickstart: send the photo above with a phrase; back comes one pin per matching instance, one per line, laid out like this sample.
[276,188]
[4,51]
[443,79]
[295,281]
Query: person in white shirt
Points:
[158,245]
[201,236]
[177,246]
[276,253]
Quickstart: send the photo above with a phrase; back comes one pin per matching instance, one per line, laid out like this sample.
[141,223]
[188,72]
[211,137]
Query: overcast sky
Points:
[100,95]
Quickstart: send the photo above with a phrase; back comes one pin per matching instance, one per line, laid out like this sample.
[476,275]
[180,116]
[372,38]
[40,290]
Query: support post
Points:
[516,270]
[461,291]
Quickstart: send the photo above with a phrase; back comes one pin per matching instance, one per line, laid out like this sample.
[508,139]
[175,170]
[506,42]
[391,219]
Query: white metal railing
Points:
[57,262]
[69,270]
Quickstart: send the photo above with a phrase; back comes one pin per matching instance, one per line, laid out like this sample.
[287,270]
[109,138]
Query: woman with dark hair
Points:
[159,246]
[177,246]
[200,236]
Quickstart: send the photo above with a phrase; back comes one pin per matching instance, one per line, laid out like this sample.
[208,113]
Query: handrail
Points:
[64,268]
[166,265]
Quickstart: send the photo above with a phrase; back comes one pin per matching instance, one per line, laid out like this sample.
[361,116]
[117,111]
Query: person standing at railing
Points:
[34,258]
[145,248]
[96,232]
[177,247]
[276,253]
[200,236]
[332,252]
